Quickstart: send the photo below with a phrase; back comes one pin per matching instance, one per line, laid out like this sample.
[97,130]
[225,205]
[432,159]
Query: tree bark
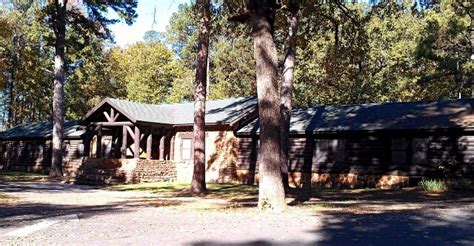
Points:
[286,91]
[271,192]
[198,183]
[58,96]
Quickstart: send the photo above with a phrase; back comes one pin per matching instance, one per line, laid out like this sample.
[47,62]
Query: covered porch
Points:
[113,134]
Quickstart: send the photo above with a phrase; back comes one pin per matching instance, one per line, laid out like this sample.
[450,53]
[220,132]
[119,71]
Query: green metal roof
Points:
[223,111]
[431,115]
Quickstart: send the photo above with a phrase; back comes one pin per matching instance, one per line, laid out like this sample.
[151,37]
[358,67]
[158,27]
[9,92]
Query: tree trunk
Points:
[58,97]
[271,192]
[198,183]
[287,90]
[12,97]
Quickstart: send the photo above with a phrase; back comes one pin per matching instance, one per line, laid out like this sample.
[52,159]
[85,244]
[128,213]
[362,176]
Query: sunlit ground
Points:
[7,176]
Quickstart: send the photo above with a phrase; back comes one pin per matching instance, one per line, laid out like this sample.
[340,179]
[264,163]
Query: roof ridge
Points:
[386,103]
[179,103]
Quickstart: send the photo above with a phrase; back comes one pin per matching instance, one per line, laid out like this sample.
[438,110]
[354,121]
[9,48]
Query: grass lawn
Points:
[180,189]
[237,196]
[7,176]
[176,194]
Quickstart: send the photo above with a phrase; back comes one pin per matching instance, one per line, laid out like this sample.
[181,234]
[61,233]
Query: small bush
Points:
[462,184]
[433,185]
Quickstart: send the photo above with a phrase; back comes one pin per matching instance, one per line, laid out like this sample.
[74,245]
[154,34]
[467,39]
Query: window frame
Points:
[190,148]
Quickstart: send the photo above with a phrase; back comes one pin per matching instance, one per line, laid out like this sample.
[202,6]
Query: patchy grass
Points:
[225,196]
[433,185]
[235,197]
[179,189]
[6,199]
[162,188]
[7,176]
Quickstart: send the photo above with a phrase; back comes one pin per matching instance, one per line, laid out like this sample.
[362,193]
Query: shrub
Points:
[462,184]
[433,185]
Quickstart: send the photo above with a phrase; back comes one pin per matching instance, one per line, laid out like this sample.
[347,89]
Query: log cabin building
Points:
[376,145]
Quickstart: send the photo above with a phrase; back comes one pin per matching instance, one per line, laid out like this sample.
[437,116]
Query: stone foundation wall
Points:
[329,180]
[116,171]
[154,171]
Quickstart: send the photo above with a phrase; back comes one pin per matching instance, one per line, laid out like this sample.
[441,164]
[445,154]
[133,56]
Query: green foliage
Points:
[90,80]
[462,184]
[153,35]
[26,56]
[24,65]
[389,52]
[381,54]
[182,88]
[433,185]
[233,68]
[146,70]
[181,33]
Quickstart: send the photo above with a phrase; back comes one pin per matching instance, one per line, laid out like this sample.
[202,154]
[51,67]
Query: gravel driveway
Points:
[112,217]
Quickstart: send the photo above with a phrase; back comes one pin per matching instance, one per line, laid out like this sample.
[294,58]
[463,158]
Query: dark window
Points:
[399,149]
[329,150]
[420,150]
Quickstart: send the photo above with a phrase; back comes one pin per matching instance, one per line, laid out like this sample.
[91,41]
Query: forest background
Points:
[390,51]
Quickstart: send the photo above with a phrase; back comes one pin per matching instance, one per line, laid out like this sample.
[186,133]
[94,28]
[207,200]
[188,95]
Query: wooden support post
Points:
[162,147]
[136,151]
[113,145]
[172,148]
[118,143]
[98,152]
[149,142]
[124,142]
[87,142]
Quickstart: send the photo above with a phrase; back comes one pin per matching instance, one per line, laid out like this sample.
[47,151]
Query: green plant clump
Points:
[462,184]
[433,185]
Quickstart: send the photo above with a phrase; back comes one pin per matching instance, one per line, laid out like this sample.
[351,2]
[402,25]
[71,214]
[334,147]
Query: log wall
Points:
[35,155]
[368,160]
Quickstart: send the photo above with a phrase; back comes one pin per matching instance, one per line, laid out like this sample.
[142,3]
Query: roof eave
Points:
[372,131]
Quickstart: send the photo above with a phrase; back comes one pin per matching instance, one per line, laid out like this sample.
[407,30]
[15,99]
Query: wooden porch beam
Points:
[129,130]
[118,123]
[107,116]
[117,114]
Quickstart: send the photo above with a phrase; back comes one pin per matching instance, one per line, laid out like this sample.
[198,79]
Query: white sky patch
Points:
[126,35]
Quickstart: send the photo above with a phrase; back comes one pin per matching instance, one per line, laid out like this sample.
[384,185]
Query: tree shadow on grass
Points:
[408,195]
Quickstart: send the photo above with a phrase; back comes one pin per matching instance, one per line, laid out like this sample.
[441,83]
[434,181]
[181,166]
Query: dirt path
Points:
[113,217]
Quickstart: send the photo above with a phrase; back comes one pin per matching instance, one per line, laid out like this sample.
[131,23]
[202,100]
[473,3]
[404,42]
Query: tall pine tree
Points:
[87,15]
[198,183]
